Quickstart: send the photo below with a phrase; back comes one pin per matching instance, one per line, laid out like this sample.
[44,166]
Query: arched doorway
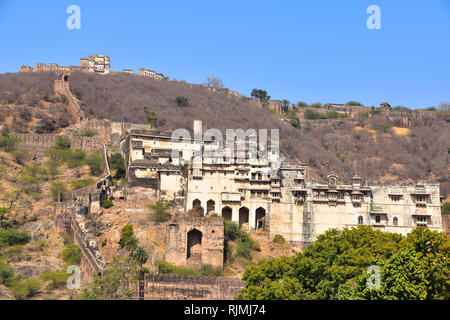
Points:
[194,244]
[243,215]
[210,206]
[227,213]
[197,206]
[260,218]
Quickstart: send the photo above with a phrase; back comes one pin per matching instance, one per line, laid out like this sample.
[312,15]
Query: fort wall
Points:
[173,287]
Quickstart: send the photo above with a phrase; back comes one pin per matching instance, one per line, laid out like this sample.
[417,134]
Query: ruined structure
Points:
[283,201]
[150,73]
[195,241]
[99,64]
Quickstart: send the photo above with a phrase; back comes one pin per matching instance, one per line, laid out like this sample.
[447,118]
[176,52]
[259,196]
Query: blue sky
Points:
[299,50]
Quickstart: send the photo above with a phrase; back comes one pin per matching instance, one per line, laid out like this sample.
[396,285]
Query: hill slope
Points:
[376,148]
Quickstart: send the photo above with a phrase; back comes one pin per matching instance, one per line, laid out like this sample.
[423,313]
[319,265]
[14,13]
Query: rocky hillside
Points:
[377,148]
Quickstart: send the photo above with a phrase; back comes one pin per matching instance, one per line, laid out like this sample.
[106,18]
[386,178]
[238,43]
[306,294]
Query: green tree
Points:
[354,103]
[150,116]
[71,254]
[117,283]
[95,163]
[404,278]
[53,168]
[127,238]
[160,211]
[4,214]
[56,278]
[118,163]
[261,95]
[182,101]
[56,188]
[62,143]
[140,255]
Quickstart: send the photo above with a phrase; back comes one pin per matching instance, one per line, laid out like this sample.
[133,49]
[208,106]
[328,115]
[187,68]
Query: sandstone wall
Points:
[446,224]
[173,287]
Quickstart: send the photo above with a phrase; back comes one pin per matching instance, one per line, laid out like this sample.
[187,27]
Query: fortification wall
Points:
[40,142]
[173,287]
[446,224]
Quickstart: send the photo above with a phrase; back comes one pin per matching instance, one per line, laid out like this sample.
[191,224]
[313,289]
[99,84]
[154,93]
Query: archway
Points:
[197,206]
[243,215]
[210,206]
[260,218]
[227,213]
[194,244]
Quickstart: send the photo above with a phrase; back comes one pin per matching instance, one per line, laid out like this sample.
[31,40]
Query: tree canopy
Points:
[336,267]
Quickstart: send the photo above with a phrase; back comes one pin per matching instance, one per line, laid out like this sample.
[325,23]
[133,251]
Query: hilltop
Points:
[381,147]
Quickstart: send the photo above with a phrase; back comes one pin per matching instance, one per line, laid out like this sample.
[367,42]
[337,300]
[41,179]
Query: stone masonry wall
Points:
[173,287]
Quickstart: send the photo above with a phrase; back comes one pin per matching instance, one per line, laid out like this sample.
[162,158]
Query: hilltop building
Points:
[150,73]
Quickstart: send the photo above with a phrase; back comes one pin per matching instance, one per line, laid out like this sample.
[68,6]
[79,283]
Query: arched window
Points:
[360,220]
[395,221]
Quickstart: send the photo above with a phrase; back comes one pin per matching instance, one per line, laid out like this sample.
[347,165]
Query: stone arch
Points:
[194,244]
[395,221]
[197,206]
[227,213]
[360,220]
[260,215]
[243,215]
[210,206]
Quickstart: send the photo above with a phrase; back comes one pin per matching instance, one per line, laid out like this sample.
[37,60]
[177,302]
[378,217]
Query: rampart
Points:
[174,287]
[40,142]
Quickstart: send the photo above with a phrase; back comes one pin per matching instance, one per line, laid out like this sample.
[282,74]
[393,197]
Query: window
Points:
[377,219]
[395,221]
[360,220]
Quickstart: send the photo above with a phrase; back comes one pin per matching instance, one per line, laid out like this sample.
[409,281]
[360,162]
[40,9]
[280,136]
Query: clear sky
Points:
[299,50]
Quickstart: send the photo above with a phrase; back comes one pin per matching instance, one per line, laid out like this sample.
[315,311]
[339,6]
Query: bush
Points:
[13,236]
[78,184]
[354,103]
[71,254]
[62,143]
[243,249]
[182,101]
[208,270]
[278,238]
[127,238]
[57,278]
[22,289]
[20,156]
[446,208]
[108,203]
[232,230]
[160,211]
[56,188]
[8,143]
[86,133]
[383,127]
[6,272]
[95,163]
[118,163]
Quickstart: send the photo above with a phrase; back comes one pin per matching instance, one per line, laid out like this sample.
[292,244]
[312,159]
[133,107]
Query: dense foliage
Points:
[336,267]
